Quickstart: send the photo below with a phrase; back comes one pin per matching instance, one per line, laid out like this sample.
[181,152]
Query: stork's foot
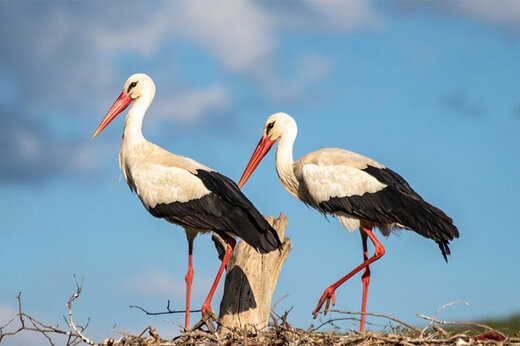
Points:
[209,319]
[327,296]
[206,310]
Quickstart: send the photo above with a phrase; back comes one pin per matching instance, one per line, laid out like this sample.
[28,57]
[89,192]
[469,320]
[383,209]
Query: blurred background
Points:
[430,89]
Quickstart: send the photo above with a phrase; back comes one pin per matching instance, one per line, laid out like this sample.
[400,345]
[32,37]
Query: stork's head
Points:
[276,126]
[137,86]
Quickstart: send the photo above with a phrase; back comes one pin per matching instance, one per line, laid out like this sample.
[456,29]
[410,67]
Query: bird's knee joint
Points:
[189,275]
[366,274]
[380,251]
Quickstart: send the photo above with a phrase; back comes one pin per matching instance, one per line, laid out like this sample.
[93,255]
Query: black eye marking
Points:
[132,85]
[269,127]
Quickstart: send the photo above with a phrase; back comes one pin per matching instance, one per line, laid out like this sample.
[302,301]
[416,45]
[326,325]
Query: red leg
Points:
[189,279]
[230,246]
[329,292]
[366,280]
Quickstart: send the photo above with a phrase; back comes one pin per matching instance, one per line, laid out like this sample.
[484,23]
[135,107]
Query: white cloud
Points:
[329,16]
[75,60]
[346,15]
[238,33]
[193,106]
[62,56]
[142,34]
[29,152]
[155,284]
[503,12]
[27,145]
[7,313]
[81,158]
[311,68]
[242,35]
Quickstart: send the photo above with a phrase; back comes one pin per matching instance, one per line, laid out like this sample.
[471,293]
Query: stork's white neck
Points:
[285,161]
[132,133]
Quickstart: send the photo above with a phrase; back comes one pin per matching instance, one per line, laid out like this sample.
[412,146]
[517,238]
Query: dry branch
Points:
[29,323]
[461,323]
[279,332]
[167,312]
[437,312]
[250,282]
[372,314]
[69,305]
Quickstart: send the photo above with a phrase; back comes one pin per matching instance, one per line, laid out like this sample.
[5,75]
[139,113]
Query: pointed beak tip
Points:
[261,150]
[96,133]
[119,105]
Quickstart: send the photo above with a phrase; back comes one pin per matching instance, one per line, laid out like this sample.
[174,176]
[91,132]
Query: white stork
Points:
[183,191]
[361,192]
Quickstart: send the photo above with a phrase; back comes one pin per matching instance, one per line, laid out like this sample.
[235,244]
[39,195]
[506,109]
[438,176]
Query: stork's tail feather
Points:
[433,223]
[399,202]
[445,249]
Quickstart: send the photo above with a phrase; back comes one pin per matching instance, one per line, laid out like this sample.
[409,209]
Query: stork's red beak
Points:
[120,105]
[261,149]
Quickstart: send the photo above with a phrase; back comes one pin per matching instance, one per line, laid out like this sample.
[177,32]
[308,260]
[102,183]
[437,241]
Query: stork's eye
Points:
[269,127]
[132,85]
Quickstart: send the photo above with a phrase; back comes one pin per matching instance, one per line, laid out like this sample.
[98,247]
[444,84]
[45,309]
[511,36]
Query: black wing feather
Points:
[397,203]
[225,209]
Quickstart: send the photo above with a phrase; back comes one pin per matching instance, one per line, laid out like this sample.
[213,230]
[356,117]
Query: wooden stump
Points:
[250,281]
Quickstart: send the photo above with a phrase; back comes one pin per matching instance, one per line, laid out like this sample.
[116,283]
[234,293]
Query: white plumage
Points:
[361,192]
[324,182]
[181,190]
[162,177]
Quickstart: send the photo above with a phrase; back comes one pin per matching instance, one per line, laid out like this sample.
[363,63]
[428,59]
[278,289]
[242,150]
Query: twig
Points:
[7,324]
[284,316]
[200,333]
[37,326]
[207,321]
[169,311]
[128,335]
[437,312]
[279,300]
[467,323]
[272,312]
[332,320]
[440,330]
[374,314]
[275,319]
[180,326]
[71,322]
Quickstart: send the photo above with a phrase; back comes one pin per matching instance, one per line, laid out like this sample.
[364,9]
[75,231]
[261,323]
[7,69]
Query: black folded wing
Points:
[397,203]
[224,209]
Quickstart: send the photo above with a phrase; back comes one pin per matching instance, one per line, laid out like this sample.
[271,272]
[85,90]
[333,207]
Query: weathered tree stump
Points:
[250,281]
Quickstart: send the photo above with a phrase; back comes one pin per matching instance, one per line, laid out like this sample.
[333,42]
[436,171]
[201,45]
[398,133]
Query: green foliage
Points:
[508,325]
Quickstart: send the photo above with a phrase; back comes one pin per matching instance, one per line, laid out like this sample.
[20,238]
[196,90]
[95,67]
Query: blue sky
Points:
[430,89]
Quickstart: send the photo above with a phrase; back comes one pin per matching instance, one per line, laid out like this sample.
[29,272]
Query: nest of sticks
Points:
[277,332]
